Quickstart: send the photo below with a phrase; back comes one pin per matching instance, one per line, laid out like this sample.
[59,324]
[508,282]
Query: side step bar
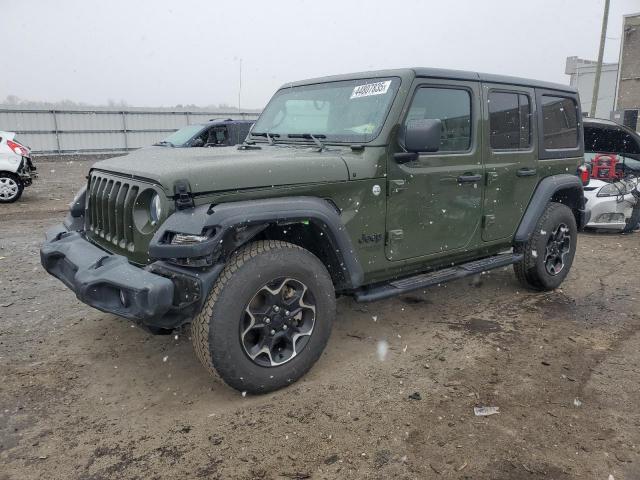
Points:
[423,280]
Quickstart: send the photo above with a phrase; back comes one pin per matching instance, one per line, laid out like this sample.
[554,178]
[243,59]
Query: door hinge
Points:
[396,186]
[394,236]
[491,177]
[488,220]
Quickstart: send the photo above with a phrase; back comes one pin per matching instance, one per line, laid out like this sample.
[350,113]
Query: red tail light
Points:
[583,173]
[17,148]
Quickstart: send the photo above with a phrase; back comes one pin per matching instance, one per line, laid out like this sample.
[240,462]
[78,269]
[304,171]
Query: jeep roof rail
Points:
[438,73]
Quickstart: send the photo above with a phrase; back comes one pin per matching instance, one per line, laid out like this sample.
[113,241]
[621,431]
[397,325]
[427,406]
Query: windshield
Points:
[347,111]
[182,136]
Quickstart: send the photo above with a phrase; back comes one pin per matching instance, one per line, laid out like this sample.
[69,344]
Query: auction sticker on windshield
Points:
[377,88]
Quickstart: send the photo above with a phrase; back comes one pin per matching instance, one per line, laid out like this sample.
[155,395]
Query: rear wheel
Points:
[10,187]
[267,318]
[548,254]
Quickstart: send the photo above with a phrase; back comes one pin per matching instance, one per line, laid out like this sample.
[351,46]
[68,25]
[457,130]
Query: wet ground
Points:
[86,395]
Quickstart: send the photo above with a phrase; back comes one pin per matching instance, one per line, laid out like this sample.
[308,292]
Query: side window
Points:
[509,120]
[453,107]
[559,122]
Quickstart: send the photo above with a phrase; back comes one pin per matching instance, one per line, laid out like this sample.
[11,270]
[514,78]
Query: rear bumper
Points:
[105,281]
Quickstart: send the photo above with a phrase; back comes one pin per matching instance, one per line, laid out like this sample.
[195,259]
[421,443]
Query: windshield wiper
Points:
[270,136]
[310,136]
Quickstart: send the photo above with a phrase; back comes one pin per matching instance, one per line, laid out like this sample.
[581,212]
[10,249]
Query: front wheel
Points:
[548,254]
[10,187]
[268,317]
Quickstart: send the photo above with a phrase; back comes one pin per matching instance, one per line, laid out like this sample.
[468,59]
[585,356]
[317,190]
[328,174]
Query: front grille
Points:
[110,209]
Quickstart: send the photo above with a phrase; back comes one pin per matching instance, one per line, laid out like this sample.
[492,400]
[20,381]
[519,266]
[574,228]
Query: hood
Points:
[227,168]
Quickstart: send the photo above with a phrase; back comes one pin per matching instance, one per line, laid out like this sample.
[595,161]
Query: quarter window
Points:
[559,122]
[509,121]
[450,105]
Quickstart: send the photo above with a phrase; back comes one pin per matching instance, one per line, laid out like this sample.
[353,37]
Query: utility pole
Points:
[596,82]
[240,84]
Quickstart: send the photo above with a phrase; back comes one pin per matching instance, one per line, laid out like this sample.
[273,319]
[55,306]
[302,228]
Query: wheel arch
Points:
[565,189]
[310,222]
[9,172]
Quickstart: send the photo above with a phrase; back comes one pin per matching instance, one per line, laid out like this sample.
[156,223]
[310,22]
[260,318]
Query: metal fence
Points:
[60,132]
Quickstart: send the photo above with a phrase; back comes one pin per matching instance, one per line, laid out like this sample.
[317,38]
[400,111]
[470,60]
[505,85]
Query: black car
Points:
[604,136]
[214,133]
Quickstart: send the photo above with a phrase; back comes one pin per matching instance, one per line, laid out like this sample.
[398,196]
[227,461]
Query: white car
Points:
[16,168]
[613,205]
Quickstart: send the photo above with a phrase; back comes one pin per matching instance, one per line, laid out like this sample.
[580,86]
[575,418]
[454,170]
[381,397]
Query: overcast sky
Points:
[168,52]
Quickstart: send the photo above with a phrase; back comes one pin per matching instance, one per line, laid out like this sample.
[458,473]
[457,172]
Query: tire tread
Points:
[201,323]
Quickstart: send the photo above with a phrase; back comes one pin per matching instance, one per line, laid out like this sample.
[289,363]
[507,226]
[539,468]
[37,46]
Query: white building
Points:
[582,73]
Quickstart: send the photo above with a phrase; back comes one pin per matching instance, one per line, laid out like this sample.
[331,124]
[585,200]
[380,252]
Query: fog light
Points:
[611,218]
[123,298]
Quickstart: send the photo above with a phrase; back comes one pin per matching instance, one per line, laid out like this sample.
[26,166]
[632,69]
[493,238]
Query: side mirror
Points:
[421,135]
[198,142]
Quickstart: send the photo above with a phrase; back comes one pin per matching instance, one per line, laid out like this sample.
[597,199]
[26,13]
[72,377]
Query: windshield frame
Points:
[285,139]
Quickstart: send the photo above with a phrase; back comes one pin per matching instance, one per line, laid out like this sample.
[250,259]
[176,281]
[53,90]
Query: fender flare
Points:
[543,194]
[235,223]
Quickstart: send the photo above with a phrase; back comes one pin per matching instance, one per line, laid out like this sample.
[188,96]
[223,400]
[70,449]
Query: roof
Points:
[609,124]
[224,121]
[438,73]
[601,121]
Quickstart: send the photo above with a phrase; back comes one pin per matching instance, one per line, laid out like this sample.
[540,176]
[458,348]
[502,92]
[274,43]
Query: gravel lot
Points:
[86,395]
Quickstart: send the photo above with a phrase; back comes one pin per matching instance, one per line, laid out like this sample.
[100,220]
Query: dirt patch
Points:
[86,395]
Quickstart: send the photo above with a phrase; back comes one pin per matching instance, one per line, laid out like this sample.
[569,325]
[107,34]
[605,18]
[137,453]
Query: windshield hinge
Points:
[182,195]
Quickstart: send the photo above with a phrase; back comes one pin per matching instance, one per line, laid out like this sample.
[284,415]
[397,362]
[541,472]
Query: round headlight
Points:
[155,209]
[614,189]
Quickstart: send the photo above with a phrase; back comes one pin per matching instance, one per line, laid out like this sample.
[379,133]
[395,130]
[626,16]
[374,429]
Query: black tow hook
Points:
[60,236]
[100,262]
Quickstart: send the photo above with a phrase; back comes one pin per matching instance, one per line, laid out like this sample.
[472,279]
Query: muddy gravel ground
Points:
[86,395]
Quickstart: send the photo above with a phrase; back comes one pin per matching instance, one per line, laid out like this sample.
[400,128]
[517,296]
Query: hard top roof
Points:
[438,73]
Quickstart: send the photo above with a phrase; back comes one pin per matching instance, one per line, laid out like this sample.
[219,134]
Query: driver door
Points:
[435,201]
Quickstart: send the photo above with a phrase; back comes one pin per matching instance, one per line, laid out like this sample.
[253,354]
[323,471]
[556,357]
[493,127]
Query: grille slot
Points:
[111,210]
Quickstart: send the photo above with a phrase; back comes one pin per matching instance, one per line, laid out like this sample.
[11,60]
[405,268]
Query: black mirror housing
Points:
[198,142]
[421,135]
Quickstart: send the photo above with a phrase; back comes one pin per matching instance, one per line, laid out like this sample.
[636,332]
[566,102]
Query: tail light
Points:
[17,148]
[584,174]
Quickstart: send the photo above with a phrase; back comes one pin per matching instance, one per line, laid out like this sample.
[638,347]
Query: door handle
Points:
[526,172]
[469,178]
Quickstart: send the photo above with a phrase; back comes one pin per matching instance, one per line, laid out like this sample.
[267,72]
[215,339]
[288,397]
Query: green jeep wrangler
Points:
[369,185]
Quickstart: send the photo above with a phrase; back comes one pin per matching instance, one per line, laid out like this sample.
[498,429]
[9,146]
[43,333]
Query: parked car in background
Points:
[613,205]
[16,168]
[612,155]
[214,133]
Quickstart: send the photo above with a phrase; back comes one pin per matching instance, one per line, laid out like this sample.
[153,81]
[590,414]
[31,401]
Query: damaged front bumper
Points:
[27,171]
[159,295]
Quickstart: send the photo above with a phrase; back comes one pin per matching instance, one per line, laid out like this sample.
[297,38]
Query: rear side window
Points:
[453,107]
[509,120]
[559,122]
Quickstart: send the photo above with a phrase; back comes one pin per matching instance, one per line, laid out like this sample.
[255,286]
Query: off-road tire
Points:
[215,330]
[7,175]
[531,271]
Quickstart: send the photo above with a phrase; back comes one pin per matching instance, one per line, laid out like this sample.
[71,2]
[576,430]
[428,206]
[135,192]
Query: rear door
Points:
[434,205]
[511,160]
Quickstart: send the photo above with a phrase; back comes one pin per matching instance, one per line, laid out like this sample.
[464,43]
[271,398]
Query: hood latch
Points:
[182,195]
